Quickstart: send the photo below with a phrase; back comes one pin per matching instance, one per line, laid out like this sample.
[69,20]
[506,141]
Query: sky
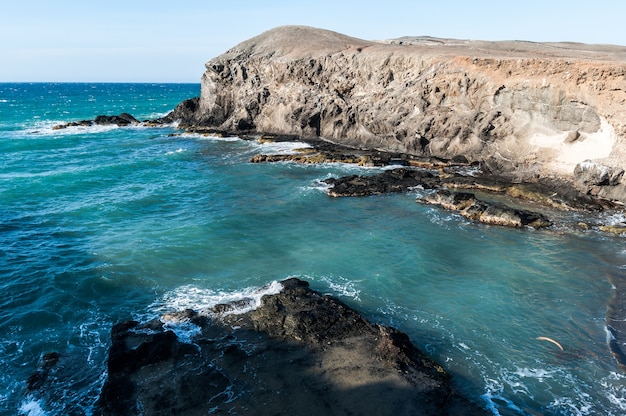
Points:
[167,41]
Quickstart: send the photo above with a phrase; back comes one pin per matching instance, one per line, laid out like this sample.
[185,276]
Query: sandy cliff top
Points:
[295,41]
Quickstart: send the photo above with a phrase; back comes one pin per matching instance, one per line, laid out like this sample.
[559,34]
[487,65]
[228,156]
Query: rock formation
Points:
[523,110]
[488,213]
[299,353]
[122,120]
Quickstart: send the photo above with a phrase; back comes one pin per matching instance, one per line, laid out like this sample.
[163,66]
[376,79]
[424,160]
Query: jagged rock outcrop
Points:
[475,209]
[122,120]
[299,352]
[522,109]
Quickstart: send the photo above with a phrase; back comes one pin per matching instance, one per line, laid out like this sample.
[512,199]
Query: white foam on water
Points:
[209,137]
[173,152]
[342,287]
[282,148]
[318,186]
[615,391]
[202,299]
[184,330]
[31,407]
[614,219]
[495,400]
[48,130]
[537,373]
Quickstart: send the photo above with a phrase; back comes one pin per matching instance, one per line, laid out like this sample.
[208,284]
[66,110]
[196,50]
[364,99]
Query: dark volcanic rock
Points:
[299,352]
[488,213]
[121,120]
[183,111]
[390,181]
[37,379]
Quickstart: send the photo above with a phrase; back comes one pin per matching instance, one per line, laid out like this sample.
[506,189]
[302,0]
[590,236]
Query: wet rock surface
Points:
[390,181]
[122,120]
[299,352]
[449,194]
[485,212]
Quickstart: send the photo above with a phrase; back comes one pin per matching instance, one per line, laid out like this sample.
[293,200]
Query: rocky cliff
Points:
[524,110]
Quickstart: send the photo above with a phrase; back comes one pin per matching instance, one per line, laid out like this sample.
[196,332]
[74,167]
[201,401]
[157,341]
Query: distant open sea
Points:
[103,224]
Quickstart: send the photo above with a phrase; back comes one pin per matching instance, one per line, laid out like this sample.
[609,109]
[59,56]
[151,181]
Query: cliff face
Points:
[523,109]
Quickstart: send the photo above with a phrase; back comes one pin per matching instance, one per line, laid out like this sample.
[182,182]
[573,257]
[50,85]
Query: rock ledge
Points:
[299,352]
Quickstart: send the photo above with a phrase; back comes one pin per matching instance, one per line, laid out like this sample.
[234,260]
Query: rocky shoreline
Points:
[455,182]
[298,352]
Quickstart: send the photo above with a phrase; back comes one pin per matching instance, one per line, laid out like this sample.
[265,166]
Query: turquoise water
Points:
[103,224]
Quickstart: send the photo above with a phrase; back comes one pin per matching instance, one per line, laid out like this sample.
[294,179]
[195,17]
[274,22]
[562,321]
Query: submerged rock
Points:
[299,352]
[39,377]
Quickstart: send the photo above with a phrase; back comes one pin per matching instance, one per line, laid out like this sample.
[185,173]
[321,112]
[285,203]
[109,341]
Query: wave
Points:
[211,137]
[32,407]
[47,128]
[203,299]
[281,148]
[173,152]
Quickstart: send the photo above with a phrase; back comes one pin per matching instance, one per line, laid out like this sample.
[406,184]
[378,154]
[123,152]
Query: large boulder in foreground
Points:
[299,352]
[524,109]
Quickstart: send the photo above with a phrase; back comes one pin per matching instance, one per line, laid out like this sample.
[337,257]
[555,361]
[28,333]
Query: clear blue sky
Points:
[158,41]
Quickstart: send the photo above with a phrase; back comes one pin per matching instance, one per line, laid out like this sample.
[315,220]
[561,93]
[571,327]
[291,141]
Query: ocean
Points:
[103,224]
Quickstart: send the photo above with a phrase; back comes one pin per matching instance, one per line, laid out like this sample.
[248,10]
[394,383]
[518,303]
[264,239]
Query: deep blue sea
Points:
[103,224]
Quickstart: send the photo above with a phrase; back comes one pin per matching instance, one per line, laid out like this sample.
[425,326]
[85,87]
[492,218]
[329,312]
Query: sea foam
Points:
[203,299]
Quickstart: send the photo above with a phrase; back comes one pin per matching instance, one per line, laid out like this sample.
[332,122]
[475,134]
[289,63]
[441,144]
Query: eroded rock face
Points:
[299,352]
[525,109]
[599,180]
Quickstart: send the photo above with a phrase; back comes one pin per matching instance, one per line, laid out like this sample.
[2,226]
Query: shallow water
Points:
[103,224]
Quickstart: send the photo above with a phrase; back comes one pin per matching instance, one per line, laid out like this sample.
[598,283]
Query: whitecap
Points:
[282,148]
[47,129]
[31,407]
[317,186]
[211,137]
[173,152]
[536,373]
[201,299]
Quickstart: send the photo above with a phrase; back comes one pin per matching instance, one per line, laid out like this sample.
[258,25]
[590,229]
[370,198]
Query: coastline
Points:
[482,197]
[227,228]
[297,351]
